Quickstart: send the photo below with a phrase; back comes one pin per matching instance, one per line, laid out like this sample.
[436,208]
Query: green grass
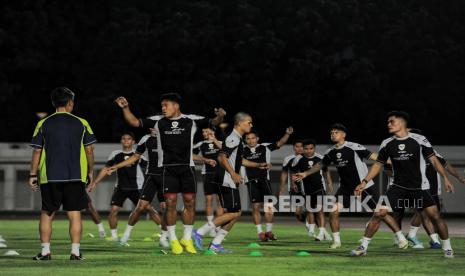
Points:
[144,258]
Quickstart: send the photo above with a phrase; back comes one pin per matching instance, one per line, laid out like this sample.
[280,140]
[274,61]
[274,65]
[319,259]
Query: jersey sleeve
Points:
[229,145]
[142,145]
[196,148]
[272,146]
[143,162]
[38,136]
[426,149]
[111,160]
[362,152]
[200,121]
[326,160]
[382,155]
[89,137]
[147,122]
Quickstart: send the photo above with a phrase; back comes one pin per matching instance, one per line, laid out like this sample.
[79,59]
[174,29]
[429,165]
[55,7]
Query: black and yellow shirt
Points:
[62,137]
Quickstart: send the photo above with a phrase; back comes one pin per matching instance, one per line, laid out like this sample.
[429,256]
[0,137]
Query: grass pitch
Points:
[279,258]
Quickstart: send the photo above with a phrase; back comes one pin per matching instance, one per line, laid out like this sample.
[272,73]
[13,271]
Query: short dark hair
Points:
[240,116]
[309,142]
[129,134]
[338,126]
[416,130]
[60,96]
[251,132]
[172,97]
[399,114]
[297,142]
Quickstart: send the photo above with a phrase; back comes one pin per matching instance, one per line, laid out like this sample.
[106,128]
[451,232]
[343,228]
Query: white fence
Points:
[15,195]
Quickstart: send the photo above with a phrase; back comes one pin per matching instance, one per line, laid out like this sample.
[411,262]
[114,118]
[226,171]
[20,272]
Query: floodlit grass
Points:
[279,258]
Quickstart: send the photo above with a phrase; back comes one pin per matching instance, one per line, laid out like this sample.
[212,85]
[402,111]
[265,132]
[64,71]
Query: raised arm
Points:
[286,136]
[131,160]
[220,113]
[128,115]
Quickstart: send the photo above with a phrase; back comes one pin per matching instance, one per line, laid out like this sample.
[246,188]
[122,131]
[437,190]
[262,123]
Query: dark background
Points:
[302,63]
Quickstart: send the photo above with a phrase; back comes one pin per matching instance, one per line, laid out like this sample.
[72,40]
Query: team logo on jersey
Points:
[210,146]
[401,146]
[174,124]
[126,157]
[310,163]
[339,155]
[252,150]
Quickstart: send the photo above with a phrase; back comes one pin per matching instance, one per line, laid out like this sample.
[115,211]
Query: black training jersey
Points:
[433,176]
[209,150]
[348,160]
[62,137]
[233,148]
[129,177]
[175,137]
[408,156]
[149,143]
[315,181]
[259,154]
[287,164]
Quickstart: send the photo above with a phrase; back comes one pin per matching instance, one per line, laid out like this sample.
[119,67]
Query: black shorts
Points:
[258,189]
[316,198]
[152,185]
[344,196]
[210,186]
[230,199]
[400,198]
[72,195]
[119,196]
[179,179]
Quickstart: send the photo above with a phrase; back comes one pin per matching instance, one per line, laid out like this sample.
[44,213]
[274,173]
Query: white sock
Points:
[172,232]
[207,227]
[164,235]
[446,244]
[413,231]
[337,237]
[220,237]
[75,249]
[127,232]
[311,227]
[365,242]
[210,218]
[100,227]
[400,236]
[322,232]
[114,233]
[434,238]
[269,227]
[188,232]
[45,248]
[259,228]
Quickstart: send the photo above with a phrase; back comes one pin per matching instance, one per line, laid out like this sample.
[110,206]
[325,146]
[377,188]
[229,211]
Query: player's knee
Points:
[170,198]
[381,214]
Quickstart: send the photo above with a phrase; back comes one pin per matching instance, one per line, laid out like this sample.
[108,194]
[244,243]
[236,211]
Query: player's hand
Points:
[33,183]
[210,162]
[462,180]
[91,187]
[153,131]
[237,178]
[298,176]
[289,130]
[220,112]
[110,170]
[359,189]
[448,185]
[122,102]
